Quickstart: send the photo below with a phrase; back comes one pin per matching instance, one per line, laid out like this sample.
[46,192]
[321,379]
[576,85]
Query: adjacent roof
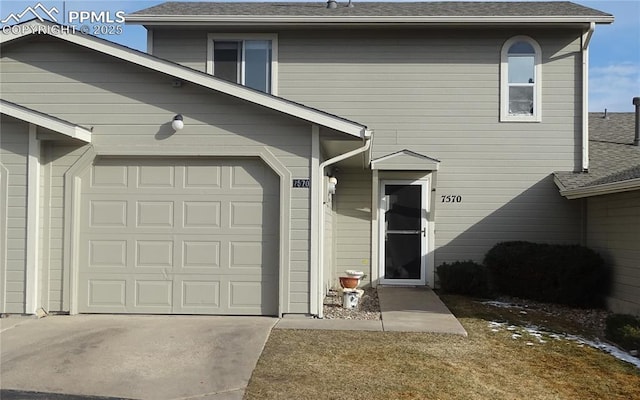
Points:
[370,12]
[46,121]
[614,160]
[312,115]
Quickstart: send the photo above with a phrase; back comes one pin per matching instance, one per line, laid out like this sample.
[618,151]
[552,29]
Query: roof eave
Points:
[368,20]
[603,189]
[135,57]
[46,121]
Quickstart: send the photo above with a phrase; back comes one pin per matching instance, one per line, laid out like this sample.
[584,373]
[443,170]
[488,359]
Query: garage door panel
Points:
[247,254]
[247,297]
[110,176]
[202,176]
[198,254]
[154,253]
[201,214]
[156,176]
[153,293]
[198,294]
[156,214]
[180,236]
[106,292]
[108,213]
[107,253]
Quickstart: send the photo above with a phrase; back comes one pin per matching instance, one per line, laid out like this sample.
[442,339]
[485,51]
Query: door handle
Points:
[424,232]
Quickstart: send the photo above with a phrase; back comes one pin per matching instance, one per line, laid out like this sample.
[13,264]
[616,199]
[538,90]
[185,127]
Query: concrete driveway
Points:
[133,357]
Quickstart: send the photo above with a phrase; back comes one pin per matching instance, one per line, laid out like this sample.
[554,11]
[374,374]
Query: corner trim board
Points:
[33,223]
[4,196]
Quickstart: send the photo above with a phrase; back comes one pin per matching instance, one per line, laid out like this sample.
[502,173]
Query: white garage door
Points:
[179,236]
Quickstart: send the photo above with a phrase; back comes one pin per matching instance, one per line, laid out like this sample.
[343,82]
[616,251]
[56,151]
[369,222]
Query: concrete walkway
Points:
[403,309]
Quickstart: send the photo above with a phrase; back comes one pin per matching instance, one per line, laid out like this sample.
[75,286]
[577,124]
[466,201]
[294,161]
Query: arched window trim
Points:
[504,82]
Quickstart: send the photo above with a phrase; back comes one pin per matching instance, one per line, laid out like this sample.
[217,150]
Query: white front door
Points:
[403,232]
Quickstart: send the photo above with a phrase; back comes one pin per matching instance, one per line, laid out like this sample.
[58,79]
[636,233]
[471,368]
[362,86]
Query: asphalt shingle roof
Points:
[373,9]
[612,155]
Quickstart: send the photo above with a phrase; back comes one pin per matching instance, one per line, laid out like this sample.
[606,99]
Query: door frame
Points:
[425,192]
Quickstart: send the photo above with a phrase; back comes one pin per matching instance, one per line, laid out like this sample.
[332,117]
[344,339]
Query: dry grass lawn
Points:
[489,364]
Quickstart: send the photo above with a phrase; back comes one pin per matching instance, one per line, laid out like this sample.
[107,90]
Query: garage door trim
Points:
[72,209]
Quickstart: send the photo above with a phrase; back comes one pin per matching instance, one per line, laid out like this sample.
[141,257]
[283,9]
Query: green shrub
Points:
[624,330]
[564,274]
[464,277]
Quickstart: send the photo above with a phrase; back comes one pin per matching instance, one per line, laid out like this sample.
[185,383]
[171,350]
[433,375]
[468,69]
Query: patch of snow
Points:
[539,334]
[500,304]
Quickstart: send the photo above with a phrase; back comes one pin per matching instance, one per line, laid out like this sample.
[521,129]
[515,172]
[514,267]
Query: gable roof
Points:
[442,12]
[46,121]
[614,160]
[405,160]
[312,115]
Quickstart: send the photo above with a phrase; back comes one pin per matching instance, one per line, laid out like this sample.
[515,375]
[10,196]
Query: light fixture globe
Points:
[331,186]
[178,122]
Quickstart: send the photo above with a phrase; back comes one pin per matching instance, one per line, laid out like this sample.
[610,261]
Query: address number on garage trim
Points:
[451,198]
[301,183]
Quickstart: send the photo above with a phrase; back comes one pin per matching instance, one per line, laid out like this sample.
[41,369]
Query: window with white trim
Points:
[249,60]
[520,71]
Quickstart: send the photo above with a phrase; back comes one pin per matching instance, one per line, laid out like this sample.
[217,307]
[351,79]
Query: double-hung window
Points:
[520,80]
[249,60]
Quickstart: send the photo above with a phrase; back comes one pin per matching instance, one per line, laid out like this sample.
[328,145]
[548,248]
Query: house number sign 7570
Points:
[451,198]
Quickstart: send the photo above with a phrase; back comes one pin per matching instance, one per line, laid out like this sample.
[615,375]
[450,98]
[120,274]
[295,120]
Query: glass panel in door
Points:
[403,232]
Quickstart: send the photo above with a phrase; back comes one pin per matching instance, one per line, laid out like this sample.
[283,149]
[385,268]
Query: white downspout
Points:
[586,38]
[319,289]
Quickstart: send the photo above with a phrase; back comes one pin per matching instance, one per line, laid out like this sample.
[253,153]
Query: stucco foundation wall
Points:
[14,148]
[613,230]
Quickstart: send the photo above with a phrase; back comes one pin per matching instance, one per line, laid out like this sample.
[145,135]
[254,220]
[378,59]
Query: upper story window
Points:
[250,60]
[520,71]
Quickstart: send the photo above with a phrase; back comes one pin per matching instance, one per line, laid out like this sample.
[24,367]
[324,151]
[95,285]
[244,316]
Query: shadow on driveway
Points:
[23,395]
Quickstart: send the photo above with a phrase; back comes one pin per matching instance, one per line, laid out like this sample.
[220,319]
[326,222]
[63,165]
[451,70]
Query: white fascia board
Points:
[324,20]
[202,79]
[598,190]
[45,121]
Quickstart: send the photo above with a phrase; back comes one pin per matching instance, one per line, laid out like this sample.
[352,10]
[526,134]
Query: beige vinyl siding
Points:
[353,219]
[14,148]
[613,230]
[437,93]
[131,107]
[188,48]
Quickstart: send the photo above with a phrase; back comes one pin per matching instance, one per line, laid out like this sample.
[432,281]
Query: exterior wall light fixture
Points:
[331,187]
[178,122]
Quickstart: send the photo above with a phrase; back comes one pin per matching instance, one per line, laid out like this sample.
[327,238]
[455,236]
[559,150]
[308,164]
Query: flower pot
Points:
[349,282]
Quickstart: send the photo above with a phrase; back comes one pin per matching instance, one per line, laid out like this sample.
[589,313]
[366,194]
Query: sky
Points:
[614,51]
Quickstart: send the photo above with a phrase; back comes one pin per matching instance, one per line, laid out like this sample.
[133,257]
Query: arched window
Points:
[520,71]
